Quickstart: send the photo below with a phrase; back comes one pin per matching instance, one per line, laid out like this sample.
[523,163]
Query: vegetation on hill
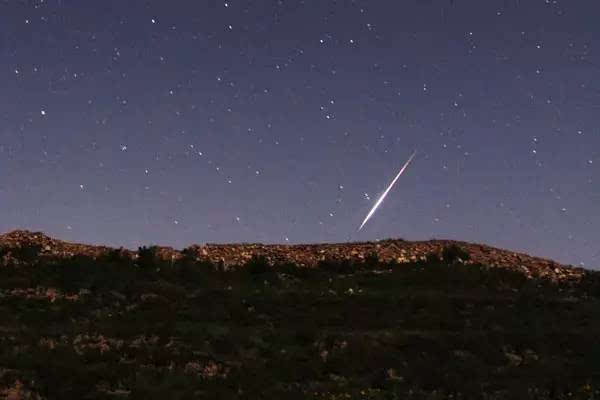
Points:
[117,326]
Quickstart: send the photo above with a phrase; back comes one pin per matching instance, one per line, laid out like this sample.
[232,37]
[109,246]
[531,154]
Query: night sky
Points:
[132,123]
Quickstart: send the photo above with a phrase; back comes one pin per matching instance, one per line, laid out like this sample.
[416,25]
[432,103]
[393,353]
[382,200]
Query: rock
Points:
[324,354]
[393,376]
[513,358]
[462,354]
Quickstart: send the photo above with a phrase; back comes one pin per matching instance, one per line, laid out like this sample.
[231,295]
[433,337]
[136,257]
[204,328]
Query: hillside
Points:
[392,319]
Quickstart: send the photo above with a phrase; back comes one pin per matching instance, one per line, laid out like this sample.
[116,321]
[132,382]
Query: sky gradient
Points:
[131,123]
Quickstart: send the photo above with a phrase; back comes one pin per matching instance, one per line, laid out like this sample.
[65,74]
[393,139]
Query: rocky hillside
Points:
[309,255]
[386,320]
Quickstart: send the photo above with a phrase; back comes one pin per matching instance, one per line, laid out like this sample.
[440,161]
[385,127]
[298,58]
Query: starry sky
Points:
[132,123]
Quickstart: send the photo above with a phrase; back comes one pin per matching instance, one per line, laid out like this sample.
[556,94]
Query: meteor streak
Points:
[380,199]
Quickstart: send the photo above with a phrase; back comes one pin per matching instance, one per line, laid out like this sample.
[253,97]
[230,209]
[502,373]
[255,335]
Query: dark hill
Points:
[386,320]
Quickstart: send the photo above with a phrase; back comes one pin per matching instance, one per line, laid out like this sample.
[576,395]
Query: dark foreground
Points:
[115,327]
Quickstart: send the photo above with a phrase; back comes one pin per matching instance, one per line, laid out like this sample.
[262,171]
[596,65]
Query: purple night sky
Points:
[177,122]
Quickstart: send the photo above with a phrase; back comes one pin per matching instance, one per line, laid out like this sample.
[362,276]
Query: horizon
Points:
[289,244]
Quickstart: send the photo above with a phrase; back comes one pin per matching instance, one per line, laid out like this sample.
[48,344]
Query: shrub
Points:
[258,264]
[3,250]
[372,260]
[147,256]
[188,254]
[170,291]
[27,253]
[78,272]
[433,258]
[297,271]
[338,266]
[453,253]
[114,256]
[192,272]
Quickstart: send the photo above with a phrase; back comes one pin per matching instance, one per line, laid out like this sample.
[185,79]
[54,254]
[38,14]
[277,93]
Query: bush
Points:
[188,254]
[453,253]
[3,250]
[27,253]
[258,264]
[297,271]
[192,272]
[372,260]
[78,272]
[115,256]
[337,266]
[433,258]
[147,256]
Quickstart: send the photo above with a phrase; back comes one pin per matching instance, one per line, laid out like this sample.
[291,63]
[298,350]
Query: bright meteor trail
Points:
[380,200]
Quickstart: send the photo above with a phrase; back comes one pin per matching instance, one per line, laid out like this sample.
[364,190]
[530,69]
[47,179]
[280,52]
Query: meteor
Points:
[380,199]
